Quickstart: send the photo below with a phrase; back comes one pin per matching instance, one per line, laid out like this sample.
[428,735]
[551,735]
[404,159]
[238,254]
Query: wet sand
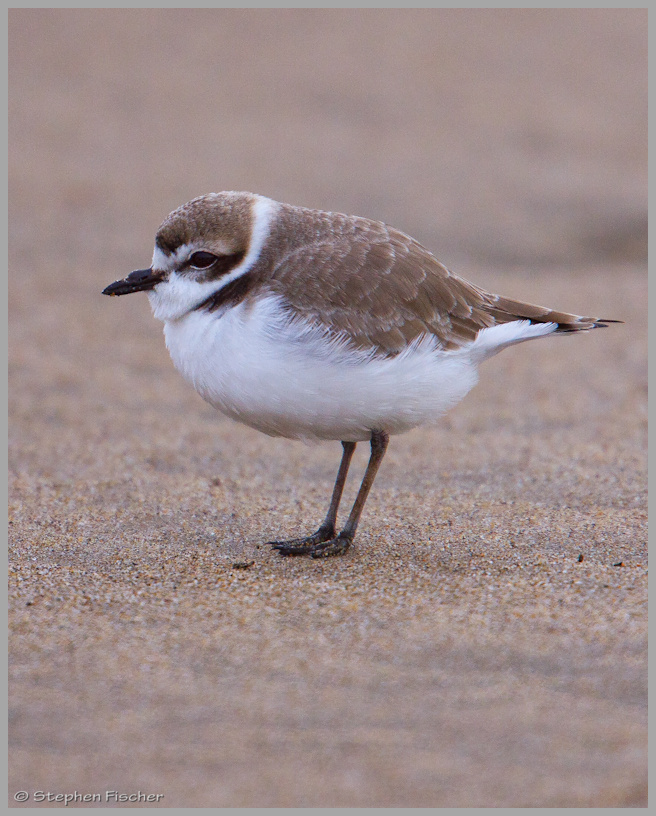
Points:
[483,643]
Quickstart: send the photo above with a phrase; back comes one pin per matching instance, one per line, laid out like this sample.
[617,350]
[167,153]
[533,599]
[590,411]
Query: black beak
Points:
[139,281]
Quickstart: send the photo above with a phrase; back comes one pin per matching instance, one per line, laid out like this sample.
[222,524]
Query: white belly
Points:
[287,380]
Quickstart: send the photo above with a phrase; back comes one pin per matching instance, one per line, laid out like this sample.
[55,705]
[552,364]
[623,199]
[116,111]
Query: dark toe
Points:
[294,547]
[336,546]
[303,546]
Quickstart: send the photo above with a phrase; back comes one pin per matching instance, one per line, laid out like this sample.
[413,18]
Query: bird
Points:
[317,325]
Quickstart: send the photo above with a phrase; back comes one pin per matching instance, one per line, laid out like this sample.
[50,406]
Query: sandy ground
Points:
[484,642]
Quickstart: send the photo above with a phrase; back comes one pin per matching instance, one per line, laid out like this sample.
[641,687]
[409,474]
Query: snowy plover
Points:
[317,325]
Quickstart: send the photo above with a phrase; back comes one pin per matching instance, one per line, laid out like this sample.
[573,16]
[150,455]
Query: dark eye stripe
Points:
[219,266]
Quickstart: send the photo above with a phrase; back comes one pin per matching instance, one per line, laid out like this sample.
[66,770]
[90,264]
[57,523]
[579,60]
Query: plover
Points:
[317,325]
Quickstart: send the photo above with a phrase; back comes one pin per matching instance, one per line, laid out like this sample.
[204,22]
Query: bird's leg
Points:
[301,546]
[328,526]
[339,545]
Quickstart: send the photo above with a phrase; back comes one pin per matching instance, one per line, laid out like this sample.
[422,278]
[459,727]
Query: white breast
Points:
[286,379]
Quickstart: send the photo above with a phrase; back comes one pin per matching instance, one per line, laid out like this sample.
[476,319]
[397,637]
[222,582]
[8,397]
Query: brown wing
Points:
[383,290]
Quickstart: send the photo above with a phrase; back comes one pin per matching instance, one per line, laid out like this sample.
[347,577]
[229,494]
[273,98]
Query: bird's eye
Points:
[202,260]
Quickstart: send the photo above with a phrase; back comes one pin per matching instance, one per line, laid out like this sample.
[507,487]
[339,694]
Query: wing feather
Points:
[383,290]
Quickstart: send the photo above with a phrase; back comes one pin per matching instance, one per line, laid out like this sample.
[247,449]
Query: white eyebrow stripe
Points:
[165,261]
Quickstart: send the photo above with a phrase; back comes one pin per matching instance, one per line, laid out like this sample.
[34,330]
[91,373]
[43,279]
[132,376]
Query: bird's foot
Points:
[302,546]
[321,544]
[336,546]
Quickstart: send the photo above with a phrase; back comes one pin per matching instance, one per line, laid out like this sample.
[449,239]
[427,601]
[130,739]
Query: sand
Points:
[483,643]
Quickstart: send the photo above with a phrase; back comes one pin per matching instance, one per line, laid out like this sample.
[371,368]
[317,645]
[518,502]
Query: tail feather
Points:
[505,310]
